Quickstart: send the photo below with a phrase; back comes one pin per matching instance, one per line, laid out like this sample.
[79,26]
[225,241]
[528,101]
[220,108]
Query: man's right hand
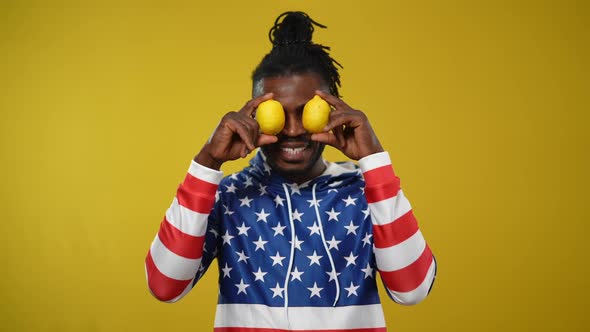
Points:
[235,137]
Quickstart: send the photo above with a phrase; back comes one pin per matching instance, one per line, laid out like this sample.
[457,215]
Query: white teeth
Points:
[293,150]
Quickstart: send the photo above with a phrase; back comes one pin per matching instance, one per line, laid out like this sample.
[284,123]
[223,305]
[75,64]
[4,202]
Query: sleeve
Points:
[176,259]
[404,260]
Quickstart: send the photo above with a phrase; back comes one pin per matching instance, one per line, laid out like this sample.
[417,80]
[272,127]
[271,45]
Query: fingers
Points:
[338,103]
[251,105]
[342,118]
[327,138]
[247,135]
[341,115]
[339,134]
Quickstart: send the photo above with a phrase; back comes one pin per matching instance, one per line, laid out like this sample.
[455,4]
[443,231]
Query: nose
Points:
[293,125]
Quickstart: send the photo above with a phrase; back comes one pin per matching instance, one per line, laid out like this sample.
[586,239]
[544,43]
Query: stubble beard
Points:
[297,175]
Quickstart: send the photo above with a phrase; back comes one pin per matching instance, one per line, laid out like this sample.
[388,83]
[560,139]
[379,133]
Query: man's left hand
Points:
[348,130]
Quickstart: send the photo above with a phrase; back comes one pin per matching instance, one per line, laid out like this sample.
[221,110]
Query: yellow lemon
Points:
[270,116]
[316,114]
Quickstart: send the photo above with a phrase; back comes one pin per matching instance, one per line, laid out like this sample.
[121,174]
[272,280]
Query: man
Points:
[297,238]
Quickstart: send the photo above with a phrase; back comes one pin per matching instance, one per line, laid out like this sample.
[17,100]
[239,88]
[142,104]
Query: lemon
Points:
[270,116]
[316,114]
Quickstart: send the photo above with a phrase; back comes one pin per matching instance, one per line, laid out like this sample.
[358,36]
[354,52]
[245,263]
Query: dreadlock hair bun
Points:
[295,28]
[293,52]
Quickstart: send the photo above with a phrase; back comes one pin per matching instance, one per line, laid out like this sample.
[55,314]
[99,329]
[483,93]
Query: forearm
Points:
[175,254]
[403,258]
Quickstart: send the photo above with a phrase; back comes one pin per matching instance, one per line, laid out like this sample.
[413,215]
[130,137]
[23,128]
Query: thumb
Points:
[264,139]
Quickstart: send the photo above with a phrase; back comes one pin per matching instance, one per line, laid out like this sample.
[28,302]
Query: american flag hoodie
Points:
[293,257]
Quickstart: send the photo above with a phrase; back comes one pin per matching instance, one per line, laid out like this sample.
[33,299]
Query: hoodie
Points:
[293,257]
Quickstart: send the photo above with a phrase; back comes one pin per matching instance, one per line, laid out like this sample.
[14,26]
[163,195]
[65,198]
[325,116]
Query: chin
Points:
[294,168]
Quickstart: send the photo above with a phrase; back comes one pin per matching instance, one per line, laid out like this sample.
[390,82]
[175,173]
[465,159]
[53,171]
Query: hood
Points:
[341,174]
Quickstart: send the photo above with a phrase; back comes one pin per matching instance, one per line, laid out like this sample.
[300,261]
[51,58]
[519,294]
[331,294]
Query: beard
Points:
[299,171]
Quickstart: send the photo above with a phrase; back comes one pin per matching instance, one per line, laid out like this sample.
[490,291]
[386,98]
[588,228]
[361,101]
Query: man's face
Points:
[295,155]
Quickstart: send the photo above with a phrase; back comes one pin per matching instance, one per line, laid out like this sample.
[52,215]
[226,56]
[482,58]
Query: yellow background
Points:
[482,104]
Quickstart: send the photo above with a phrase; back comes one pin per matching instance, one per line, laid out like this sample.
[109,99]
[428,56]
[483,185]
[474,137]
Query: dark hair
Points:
[293,52]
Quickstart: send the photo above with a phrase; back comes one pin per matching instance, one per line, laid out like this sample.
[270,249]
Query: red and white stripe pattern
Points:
[262,318]
[404,260]
[175,254]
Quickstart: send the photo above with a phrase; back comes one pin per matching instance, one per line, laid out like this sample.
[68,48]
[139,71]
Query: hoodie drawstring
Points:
[317,214]
[292,255]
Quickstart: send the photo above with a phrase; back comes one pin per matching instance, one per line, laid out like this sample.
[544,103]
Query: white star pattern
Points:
[277,259]
[333,215]
[277,291]
[231,188]
[368,271]
[351,259]
[248,182]
[315,290]
[260,244]
[351,228]
[297,243]
[296,274]
[226,271]
[279,229]
[333,275]
[262,189]
[314,202]
[242,287]
[262,215]
[245,201]
[243,257]
[278,201]
[333,244]
[315,229]
[259,275]
[227,211]
[226,238]
[294,189]
[352,289]
[296,215]
[243,230]
[367,239]
[314,259]
[349,201]
[243,212]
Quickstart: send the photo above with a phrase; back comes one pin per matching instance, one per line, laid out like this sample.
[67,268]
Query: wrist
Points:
[204,158]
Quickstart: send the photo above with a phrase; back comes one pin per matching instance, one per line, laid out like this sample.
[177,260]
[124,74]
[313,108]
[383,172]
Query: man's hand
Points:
[235,137]
[350,133]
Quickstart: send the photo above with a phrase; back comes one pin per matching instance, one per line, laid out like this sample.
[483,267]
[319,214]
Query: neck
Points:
[301,177]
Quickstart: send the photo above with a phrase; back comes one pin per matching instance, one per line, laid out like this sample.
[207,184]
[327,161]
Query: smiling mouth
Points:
[294,151]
